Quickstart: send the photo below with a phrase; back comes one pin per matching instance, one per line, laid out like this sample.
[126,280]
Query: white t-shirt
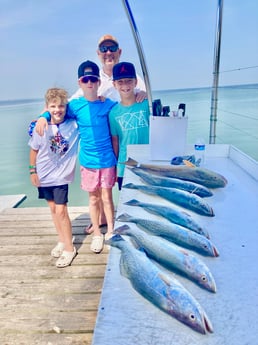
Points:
[107,88]
[57,153]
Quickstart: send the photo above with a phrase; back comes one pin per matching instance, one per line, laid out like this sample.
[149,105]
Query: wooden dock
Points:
[39,303]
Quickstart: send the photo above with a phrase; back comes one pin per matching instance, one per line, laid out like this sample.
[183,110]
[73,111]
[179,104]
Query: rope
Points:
[238,69]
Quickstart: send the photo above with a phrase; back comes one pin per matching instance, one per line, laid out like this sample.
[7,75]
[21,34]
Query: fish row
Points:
[159,243]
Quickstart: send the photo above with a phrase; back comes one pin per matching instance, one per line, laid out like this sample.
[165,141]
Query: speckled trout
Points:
[171,182]
[171,257]
[205,177]
[179,197]
[171,214]
[173,232]
[160,288]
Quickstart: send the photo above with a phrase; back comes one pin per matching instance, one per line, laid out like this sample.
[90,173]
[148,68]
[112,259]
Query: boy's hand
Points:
[41,126]
[141,96]
[34,180]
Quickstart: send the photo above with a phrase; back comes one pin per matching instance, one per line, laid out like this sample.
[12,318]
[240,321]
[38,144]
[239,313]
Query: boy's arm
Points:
[41,125]
[115,144]
[32,168]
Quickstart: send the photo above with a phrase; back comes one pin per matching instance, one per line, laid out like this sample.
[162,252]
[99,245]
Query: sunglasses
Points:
[112,49]
[90,78]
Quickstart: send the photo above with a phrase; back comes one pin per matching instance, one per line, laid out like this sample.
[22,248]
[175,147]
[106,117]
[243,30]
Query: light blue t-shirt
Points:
[96,150]
[131,125]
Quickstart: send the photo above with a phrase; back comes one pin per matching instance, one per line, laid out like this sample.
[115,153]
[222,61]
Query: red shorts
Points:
[93,179]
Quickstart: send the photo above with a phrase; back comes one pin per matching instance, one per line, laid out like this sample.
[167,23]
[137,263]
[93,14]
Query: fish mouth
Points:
[215,251]
[207,324]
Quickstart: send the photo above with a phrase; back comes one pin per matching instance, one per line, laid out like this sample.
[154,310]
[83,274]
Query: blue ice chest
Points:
[167,137]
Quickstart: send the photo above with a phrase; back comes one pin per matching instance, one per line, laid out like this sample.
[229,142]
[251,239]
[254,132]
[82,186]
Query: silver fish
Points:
[175,233]
[159,288]
[180,197]
[171,257]
[205,177]
[171,214]
[170,182]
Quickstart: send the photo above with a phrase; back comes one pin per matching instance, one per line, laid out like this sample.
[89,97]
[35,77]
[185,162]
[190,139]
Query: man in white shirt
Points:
[109,54]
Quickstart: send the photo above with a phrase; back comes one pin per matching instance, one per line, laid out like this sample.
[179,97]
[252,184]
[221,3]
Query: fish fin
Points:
[131,162]
[183,251]
[122,266]
[165,278]
[138,246]
[189,164]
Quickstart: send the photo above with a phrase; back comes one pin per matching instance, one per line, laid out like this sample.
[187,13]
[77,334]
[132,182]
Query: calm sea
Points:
[237,124]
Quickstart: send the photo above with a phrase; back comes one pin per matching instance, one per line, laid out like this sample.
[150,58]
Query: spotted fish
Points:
[175,233]
[170,182]
[171,214]
[180,197]
[161,289]
[205,177]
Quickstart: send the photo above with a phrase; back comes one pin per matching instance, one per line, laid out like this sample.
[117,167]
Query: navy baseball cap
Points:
[123,70]
[88,68]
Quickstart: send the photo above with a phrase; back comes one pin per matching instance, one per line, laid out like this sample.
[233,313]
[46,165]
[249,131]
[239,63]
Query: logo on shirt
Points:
[58,144]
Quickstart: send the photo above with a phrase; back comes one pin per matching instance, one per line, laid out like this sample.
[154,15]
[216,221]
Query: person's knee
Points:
[61,211]
[94,199]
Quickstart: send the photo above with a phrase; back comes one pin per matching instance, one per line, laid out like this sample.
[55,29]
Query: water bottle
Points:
[199,152]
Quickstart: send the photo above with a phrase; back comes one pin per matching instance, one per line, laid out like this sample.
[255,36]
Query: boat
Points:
[126,317]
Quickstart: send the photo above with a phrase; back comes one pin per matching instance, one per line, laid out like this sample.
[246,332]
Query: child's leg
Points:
[97,239]
[94,208]
[65,226]
[62,224]
[108,204]
[52,207]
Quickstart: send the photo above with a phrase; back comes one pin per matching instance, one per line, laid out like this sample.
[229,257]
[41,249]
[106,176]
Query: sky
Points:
[43,42]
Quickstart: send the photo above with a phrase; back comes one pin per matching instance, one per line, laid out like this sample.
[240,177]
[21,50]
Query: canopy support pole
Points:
[214,93]
[140,52]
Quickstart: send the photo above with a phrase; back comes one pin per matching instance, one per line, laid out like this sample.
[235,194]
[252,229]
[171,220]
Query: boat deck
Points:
[232,310]
[39,303]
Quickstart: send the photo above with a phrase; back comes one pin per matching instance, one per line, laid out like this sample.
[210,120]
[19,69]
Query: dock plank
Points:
[39,303]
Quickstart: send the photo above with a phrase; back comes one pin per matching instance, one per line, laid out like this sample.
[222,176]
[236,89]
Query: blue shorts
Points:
[58,194]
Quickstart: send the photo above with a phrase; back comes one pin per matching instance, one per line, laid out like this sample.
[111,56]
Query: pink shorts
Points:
[93,179]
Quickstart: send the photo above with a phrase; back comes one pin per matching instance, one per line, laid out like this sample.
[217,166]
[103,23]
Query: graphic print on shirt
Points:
[58,145]
[130,121]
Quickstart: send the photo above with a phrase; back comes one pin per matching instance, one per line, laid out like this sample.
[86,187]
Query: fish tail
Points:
[129,185]
[131,162]
[132,202]
[114,239]
[124,217]
[121,229]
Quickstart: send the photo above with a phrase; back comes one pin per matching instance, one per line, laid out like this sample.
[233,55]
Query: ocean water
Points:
[237,124]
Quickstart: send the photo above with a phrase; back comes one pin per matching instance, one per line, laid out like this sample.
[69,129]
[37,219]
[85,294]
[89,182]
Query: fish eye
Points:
[203,278]
[192,317]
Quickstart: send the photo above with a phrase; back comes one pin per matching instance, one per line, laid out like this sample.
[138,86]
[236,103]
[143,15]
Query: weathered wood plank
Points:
[52,339]
[38,300]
